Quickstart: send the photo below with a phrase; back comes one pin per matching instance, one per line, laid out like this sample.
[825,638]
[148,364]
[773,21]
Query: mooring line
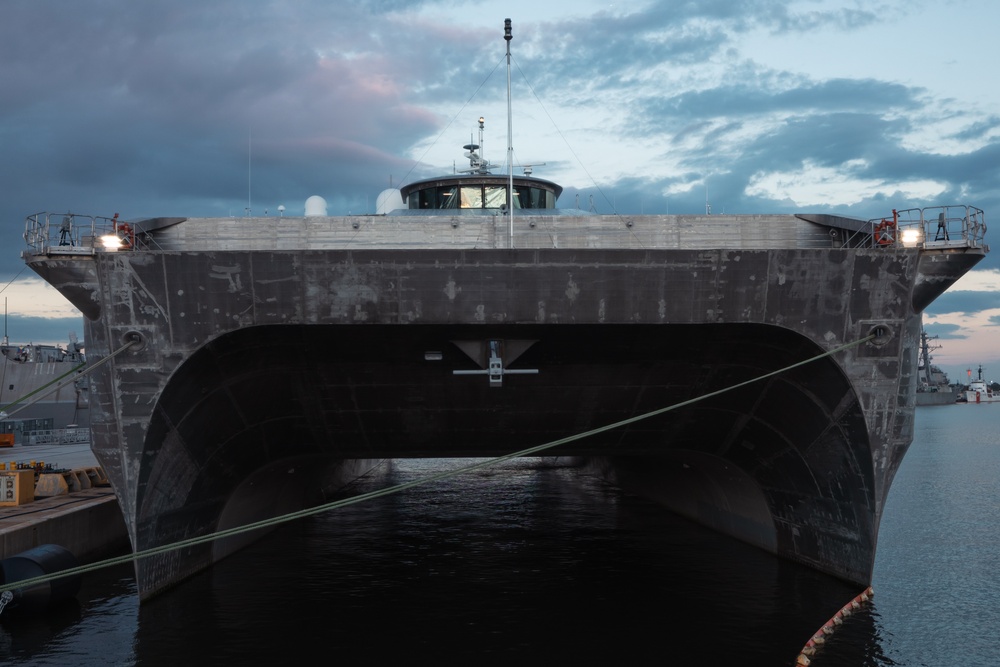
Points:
[292,516]
[38,398]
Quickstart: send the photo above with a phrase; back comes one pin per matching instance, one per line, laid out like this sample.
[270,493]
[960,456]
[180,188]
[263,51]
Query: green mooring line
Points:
[43,387]
[89,370]
[266,523]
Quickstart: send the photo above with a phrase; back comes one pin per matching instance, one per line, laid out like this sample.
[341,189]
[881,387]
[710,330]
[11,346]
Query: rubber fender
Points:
[37,562]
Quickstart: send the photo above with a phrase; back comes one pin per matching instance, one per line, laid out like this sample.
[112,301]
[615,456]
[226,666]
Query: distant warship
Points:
[934,387]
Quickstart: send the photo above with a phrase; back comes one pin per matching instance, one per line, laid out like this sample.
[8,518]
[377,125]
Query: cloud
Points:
[28,297]
[979,280]
[165,108]
[945,331]
[963,302]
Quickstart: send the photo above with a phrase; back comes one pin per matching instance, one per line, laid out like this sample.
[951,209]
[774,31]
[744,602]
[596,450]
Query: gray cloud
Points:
[963,302]
[165,108]
[770,92]
[945,331]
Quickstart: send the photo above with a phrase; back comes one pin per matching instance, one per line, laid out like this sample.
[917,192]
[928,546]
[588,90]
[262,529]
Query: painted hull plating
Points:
[266,375]
[33,391]
[943,396]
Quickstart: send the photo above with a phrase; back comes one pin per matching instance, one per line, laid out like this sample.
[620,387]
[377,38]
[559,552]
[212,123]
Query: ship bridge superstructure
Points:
[477,189]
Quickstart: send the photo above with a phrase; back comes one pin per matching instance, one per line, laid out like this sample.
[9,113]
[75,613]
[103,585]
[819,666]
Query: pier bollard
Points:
[82,479]
[52,484]
[96,476]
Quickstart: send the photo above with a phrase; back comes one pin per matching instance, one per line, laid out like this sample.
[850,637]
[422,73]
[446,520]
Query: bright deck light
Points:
[911,237]
[111,242]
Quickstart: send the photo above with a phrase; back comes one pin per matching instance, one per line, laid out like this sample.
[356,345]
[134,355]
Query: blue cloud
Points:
[944,331]
[148,109]
[963,302]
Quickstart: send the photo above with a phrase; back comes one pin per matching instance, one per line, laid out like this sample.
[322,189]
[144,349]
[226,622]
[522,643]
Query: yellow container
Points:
[17,487]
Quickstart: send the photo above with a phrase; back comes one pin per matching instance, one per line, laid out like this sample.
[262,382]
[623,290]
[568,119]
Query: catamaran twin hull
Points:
[271,366]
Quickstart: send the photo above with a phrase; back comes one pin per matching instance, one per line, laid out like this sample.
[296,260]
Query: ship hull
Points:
[981,397]
[41,398]
[944,396]
[258,375]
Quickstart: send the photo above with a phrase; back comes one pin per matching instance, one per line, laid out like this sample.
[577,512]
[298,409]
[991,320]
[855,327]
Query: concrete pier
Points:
[88,522]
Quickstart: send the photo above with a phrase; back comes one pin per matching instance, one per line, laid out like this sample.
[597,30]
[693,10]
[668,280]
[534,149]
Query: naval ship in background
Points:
[44,395]
[934,387]
[470,317]
[979,390]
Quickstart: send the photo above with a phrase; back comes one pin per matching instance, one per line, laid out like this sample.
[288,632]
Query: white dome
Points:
[388,200]
[315,207]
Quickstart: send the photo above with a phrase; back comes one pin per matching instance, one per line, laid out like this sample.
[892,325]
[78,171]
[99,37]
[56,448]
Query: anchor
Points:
[490,356]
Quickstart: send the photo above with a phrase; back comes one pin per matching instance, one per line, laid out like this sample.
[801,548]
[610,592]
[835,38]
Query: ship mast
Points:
[925,354]
[510,142]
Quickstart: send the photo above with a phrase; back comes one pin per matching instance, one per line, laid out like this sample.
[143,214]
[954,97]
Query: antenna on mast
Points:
[249,155]
[482,151]
[510,141]
[477,163]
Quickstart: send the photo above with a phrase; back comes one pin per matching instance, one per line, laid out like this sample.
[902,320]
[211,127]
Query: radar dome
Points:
[388,201]
[315,206]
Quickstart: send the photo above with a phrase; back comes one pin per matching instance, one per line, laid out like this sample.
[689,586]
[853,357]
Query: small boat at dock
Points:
[981,391]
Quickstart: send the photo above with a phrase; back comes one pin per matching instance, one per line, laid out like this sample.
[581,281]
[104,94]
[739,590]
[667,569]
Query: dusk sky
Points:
[172,108]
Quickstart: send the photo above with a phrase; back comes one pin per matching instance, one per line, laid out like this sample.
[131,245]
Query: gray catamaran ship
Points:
[254,364]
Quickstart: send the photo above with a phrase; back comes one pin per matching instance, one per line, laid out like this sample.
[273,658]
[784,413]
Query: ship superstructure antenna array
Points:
[925,356]
[510,141]
[478,164]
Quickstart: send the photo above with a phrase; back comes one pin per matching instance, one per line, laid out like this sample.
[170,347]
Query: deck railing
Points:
[930,227]
[74,234]
[958,226]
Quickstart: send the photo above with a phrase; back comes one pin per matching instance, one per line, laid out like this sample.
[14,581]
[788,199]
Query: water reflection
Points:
[529,561]
[523,562]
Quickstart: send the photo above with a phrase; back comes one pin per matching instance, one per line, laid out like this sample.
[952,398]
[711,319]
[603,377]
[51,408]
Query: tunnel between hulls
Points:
[268,419]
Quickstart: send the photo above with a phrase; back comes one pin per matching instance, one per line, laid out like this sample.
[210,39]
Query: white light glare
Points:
[111,242]
[911,237]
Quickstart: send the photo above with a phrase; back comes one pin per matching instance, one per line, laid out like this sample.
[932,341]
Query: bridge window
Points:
[527,197]
[480,196]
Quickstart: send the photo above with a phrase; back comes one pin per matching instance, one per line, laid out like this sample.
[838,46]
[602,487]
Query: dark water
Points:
[530,562]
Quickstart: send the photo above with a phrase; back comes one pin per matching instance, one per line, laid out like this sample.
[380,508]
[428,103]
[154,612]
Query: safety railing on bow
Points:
[930,227]
[74,234]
